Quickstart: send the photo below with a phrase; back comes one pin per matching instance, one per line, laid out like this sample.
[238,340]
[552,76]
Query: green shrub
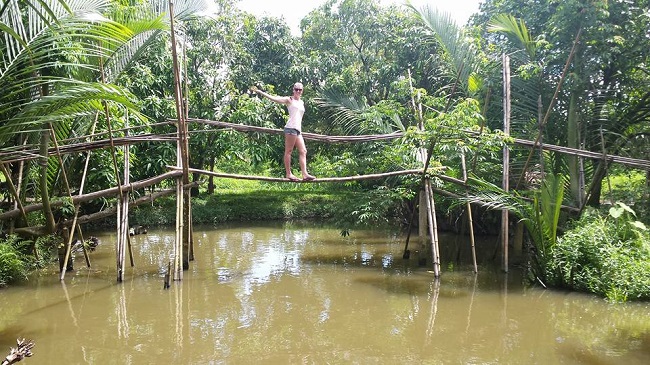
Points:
[605,255]
[630,188]
[12,268]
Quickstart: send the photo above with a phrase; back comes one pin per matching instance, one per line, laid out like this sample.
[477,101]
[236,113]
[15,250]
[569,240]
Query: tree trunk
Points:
[596,187]
[211,186]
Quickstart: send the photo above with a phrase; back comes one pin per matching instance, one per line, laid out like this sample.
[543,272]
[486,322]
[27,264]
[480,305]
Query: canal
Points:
[300,293]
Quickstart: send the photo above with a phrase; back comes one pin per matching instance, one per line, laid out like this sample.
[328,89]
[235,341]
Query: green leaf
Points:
[639,225]
[615,212]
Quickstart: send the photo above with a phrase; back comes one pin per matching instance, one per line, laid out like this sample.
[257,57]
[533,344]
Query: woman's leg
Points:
[289,142]
[302,157]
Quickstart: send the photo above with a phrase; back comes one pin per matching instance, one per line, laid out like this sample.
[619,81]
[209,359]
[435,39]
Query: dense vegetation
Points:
[579,79]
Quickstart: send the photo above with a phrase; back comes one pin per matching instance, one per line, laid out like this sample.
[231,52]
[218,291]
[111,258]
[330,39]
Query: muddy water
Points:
[287,293]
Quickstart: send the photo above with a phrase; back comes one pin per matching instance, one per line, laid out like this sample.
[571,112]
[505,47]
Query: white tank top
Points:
[296,110]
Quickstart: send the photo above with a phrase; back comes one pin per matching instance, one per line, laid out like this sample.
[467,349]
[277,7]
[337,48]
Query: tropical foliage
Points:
[604,254]
[78,72]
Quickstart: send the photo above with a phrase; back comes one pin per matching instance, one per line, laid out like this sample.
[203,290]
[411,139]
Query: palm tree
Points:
[58,61]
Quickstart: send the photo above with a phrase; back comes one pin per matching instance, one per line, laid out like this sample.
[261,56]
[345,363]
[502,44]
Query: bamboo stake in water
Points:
[433,229]
[469,215]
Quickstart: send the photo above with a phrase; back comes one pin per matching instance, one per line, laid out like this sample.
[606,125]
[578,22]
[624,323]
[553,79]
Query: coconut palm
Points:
[58,60]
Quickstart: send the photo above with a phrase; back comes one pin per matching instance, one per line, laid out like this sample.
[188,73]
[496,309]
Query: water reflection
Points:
[292,293]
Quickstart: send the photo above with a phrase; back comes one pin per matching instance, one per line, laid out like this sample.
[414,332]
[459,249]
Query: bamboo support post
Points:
[551,104]
[433,228]
[178,241]
[188,195]
[122,234]
[127,179]
[469,216]
[506,159]
[182,213]
[436,240]
[75,226]
[407,253]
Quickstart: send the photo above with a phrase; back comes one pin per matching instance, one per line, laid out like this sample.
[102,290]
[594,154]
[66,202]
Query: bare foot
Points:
[293,178]
[308,177]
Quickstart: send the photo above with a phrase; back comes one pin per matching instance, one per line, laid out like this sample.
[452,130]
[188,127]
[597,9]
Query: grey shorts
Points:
[292,131]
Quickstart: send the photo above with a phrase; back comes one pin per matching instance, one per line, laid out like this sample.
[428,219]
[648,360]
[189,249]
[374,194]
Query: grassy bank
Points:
[251,206]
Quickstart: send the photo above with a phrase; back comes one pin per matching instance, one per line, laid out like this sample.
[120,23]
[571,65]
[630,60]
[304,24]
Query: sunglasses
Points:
[294,89]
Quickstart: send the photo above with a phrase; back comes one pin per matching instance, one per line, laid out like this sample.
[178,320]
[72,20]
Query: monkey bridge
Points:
[183,247]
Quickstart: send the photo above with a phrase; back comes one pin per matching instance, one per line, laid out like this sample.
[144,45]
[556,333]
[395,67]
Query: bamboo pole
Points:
[95,195]
[127,179]
[119,226]
[307,136]
[181,155]
[324,179]
[122,234]
[433,228]
[82,185]
[178,241]
[551,104]
[506,159]
[469,215]
[70,236]
[9,155]
[422,158]
[436,241]
[15,155]
[188,250]
[626,161]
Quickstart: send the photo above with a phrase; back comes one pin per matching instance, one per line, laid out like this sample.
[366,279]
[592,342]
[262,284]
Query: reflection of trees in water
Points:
[585,334]
[258,296]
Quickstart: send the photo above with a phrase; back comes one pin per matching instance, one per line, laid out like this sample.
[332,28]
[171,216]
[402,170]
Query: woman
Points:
[292,130]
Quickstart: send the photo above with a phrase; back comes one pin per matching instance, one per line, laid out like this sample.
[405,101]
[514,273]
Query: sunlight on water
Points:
[286,293]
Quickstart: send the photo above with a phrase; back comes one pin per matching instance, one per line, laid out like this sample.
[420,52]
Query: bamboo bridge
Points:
[183,250]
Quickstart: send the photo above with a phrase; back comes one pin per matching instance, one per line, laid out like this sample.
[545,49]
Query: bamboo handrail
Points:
[627,161]
[76,199]
[18,155]
[110,211]
[306,136]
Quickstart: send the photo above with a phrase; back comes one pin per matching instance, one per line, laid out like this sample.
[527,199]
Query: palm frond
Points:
[78,100]
[147,22]
[463,56]
[344,110]
[552,195]
[29,23]
[516,31]
[494,197]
